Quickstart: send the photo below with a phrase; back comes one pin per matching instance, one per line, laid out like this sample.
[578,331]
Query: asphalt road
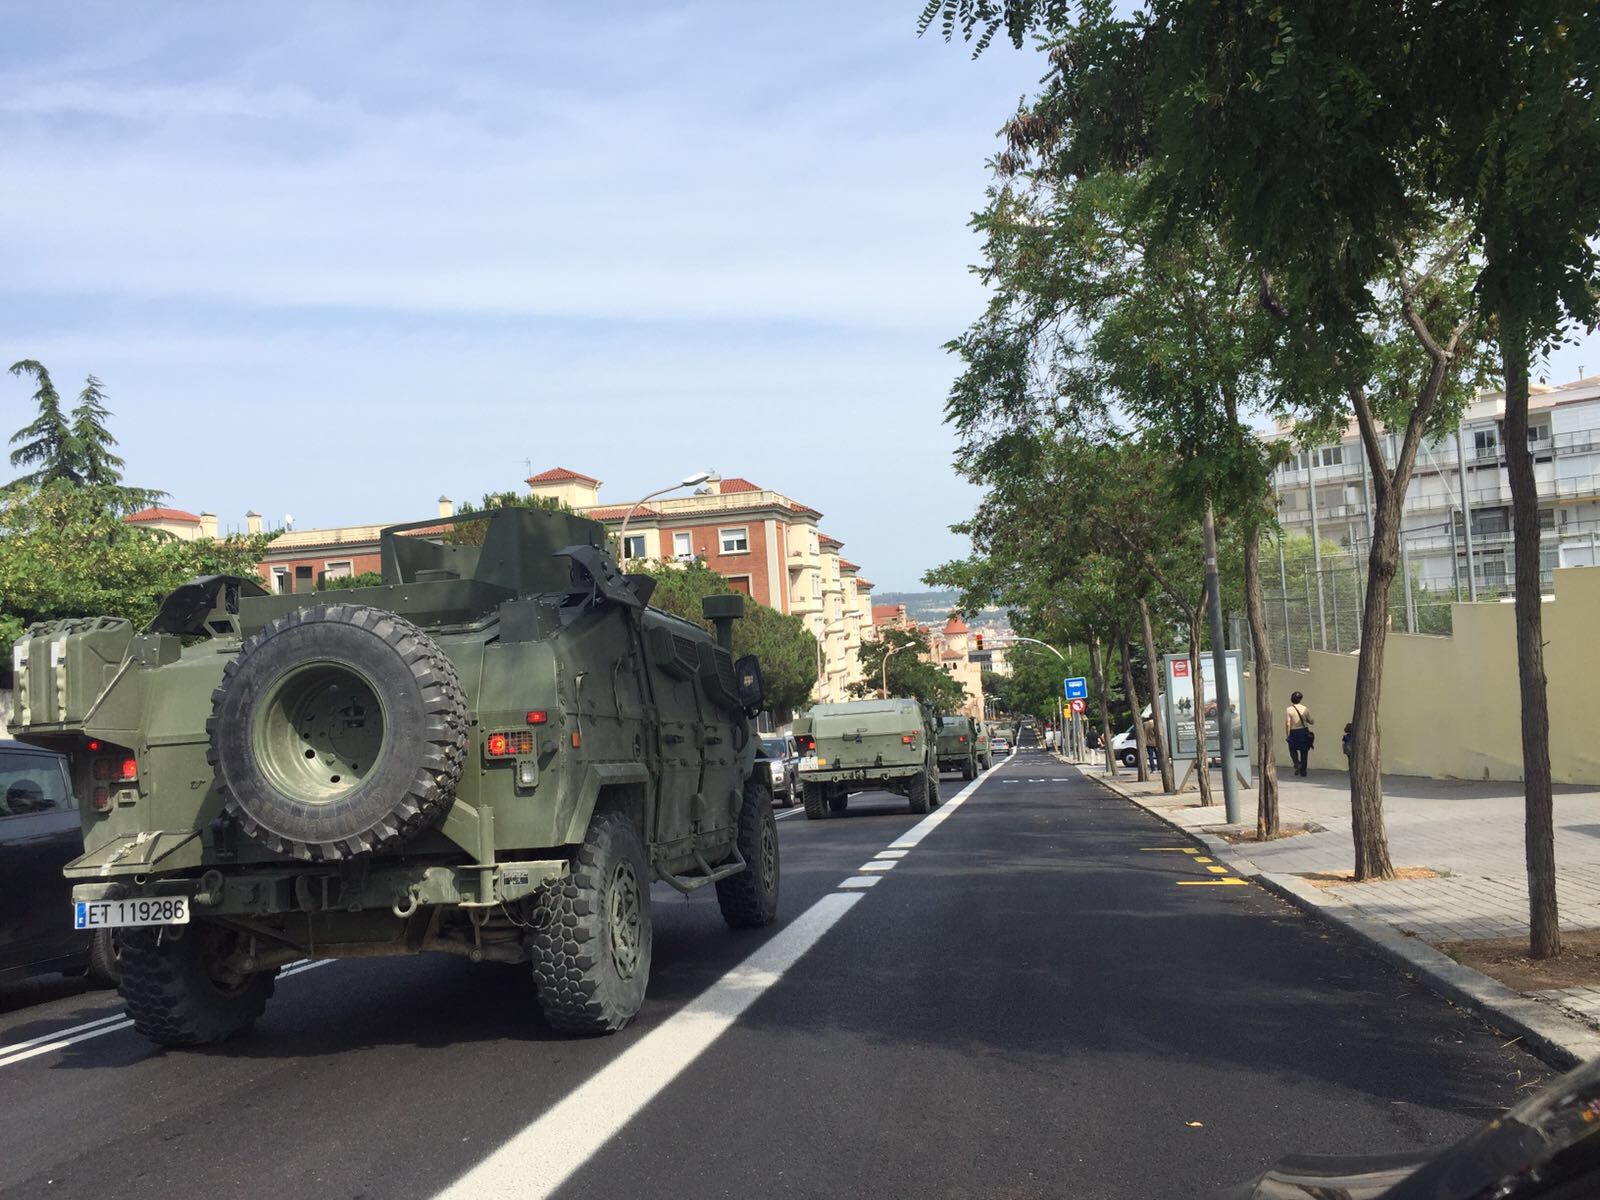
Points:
[1044,995]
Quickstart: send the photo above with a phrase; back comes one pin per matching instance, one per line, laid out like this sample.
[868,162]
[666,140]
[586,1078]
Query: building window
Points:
[339,570]
[1491,520]
[735,541]
[633,546]
[1547,519]
[280,581]
[1331,456]
[1486,442]
[682,545]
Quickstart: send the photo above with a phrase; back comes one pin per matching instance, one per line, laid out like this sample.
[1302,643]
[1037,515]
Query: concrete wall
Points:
[1451,706]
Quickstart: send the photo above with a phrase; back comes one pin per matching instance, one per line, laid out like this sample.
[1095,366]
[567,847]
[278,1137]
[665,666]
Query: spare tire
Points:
[337,730]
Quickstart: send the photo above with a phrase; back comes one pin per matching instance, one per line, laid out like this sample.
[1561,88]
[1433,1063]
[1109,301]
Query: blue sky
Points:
[337,259]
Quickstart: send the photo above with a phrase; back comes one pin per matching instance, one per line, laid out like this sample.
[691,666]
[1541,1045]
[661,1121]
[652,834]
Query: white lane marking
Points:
[878,865]
[790,812]
[547,1152]
[909,839]
[891,854]
[22,1051]
[861,881]
[59,1033]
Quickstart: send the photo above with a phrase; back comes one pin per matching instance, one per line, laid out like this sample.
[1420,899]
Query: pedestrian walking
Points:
[1349,732]
[1297,723]
[1150,742]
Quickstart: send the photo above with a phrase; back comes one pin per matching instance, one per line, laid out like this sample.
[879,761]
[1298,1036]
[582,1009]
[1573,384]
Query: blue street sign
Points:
[1077,689]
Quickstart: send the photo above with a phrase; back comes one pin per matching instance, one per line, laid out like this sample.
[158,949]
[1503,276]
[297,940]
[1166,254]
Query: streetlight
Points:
[694,480]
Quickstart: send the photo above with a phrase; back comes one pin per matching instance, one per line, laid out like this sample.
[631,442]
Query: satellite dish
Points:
[288,521]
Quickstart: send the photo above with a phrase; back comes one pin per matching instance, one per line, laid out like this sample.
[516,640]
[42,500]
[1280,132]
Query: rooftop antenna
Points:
[288,522]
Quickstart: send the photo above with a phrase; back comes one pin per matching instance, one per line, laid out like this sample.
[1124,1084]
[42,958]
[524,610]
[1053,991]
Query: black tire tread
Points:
[442,756]
[744,902]
[816,801]
[157,985]
[569,967]
[917,793]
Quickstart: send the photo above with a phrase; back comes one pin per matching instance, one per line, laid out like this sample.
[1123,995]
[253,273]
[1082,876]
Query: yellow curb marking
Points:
[1170,849]
[1202,858]
[1210,882]
[1216,870]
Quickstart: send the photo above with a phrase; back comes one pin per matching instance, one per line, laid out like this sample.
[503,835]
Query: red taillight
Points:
[806,742]
[124,769]
[128,768]
[909,739]
[963,737]
[538,717]
[504,745]
[94,745]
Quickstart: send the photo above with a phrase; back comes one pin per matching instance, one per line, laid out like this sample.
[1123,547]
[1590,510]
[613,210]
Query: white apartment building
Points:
[1453,491]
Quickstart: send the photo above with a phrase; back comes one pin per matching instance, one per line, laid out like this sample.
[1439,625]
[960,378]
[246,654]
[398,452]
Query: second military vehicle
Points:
[985,746]
[491,754]
[957,741]
[866,744]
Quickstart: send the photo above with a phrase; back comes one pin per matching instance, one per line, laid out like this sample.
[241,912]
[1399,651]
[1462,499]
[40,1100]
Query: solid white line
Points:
[545,1155]
[21,1051]
[59,1043]
[909,839]
[60,1033]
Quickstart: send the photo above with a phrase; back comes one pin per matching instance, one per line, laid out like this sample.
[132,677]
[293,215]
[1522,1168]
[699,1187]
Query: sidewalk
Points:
[1471,833]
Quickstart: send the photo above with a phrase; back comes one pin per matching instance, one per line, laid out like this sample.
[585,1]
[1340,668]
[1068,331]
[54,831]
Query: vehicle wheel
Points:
[816,801]
[1130,760]
[933,794]
[838,801]
[591,945]
[749,899]
[918,791]
[338,730]
[969,770]
[104,951]
[179,989]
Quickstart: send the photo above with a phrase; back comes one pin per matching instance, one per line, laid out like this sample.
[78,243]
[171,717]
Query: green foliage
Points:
[336,583]
[1034,684]
[76,451]
[471,533]
[66,552]
[787,651]
[909,675]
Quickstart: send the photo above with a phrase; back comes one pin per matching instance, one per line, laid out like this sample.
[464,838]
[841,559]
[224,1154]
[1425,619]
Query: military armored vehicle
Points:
[957,741]
[492,754]
[863,745]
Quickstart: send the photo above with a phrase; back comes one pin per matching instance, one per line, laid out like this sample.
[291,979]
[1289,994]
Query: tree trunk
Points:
[1197,683]
[1162,757]
[1366,760]
[1261,653]
[1141,760]
[1105,712]
[1544,940]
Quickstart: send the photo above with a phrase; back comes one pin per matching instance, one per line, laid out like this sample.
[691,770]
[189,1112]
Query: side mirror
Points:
[752,689]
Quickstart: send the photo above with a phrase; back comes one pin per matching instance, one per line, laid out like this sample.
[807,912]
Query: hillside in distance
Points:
[933,608]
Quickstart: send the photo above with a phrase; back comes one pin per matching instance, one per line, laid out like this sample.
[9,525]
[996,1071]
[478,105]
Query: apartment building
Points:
[299,560]
[766,544]
[1460,492]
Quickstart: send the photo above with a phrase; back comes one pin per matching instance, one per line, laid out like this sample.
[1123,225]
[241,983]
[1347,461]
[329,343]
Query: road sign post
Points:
[1076,688]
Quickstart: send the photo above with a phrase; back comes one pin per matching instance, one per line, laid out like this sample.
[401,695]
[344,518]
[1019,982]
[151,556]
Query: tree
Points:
[471,533]
[909,674]
[46,443]
[786,648]
[66,552]
[338,583]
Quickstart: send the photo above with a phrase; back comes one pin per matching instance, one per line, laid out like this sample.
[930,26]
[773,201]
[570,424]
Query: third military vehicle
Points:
[866,744]
[492,754]
[957,740]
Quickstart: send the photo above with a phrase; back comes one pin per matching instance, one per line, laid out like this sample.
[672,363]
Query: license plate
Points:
[809,763]
[117,914]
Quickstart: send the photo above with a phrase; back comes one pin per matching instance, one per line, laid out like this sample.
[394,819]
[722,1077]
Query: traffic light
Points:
[980,641]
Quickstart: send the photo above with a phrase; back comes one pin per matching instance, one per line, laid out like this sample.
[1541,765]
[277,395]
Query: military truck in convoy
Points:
[491,754]
[887,745]
[957,740]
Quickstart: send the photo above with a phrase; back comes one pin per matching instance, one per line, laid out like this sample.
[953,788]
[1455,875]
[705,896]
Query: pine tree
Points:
[96,464]
[47,444]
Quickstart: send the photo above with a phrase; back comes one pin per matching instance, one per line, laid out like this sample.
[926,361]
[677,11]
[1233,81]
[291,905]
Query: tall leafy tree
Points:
[908,674]
[95,462]
[46,443]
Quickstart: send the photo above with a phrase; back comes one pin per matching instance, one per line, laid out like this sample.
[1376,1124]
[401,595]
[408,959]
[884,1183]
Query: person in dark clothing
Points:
[1297,723]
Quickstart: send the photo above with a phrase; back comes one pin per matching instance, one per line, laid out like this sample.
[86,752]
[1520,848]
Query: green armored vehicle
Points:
[492,754]
[862,745]
[957,742]
[985,745]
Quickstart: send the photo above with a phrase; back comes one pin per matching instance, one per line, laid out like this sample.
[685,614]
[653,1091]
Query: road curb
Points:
[1559,1040]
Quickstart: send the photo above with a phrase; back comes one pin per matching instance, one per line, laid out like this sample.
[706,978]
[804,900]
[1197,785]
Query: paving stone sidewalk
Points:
[1469,832]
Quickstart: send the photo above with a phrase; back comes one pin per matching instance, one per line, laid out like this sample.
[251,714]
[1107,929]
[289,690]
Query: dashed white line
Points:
[878,865]
[860,881]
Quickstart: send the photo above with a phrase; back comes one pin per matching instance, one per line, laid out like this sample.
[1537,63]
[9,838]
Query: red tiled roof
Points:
[828,541]
[864,585]
[735,484]
[618,511]
[560,475]
[887,611]
[955,625]
[846,565]
[951,656]
[161,514]
[803,509]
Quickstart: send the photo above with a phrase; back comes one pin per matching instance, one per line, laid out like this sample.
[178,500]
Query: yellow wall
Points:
[1451,706]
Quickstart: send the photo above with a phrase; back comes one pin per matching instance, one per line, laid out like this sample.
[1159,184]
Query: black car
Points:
[785,768]
[39,835]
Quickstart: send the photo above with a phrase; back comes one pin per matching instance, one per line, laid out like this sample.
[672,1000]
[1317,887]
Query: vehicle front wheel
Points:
[181,986]
[816,801]
[918,793]
[749,899]
[592,939]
